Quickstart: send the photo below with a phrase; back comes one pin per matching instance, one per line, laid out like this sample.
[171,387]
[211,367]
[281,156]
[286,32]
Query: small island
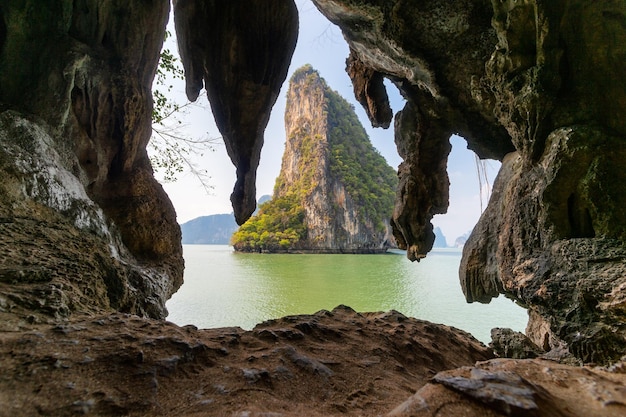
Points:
[335,192]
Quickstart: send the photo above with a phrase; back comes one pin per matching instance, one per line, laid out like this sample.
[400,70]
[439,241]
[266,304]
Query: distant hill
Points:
[215,229]
[209,230]
[440,239]
[460,241]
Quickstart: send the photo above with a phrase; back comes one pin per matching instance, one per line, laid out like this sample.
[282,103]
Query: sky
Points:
[321,44]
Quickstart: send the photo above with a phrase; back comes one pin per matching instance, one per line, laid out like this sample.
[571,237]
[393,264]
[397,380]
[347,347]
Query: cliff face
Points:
[542,80]
[85,227]
[341,190]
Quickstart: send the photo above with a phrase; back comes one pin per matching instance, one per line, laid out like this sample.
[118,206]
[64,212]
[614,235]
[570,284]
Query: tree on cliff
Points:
[335,192]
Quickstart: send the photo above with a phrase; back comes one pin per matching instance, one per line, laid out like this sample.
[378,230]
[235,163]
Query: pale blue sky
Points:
[320,44]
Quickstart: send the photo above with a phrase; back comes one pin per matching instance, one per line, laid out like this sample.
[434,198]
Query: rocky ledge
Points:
[336,362]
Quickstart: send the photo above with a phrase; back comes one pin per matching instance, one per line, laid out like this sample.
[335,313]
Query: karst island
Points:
[335,192]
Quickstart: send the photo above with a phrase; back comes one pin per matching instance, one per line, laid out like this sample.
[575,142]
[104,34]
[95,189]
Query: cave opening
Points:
[471,181]
[246,289]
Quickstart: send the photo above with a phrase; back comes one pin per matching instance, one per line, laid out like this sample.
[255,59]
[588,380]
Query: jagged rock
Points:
[438,93]
[513,76]
[84,226]
[335,362]
[570,271]
[507,343]
[240,52]
[370,91]
[58,253]
[518,388]
[82,215]
[505,392]
[553,237]
[341,362]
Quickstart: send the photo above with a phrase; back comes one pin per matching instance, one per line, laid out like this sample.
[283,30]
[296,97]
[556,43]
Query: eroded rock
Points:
[83,211]
[559,246]
[507,343]
[512,76]
[424,65]
[342,362]
[519,388]
[240,52]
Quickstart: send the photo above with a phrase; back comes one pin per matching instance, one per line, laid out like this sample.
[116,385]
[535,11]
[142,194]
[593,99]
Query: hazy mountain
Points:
[215,229]
[440,239]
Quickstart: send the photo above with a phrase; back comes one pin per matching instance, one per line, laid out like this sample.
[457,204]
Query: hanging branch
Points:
[172,152]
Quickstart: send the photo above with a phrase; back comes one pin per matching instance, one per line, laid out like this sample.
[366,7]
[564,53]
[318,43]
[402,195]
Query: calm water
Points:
[224,288]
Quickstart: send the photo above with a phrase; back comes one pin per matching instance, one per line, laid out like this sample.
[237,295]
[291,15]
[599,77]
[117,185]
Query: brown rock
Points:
[84,217]
[424,65]
[507,343]
[519,388]
[241,52]
[329,363]
[559,243]
[512,76]
[370,91]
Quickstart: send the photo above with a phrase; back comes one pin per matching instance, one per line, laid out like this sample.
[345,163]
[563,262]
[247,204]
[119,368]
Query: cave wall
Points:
[539,86]
[85,226]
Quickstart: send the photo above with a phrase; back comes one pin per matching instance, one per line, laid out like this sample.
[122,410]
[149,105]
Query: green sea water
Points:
[223,288]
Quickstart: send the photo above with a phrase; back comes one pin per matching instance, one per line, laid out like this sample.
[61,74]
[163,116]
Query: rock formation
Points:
[240,52]
[329,363]
[539,86]
[85,227]
[435,53]
[85,230]
[334,193]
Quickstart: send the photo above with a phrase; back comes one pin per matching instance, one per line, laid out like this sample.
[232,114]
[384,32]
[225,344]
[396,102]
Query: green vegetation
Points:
[369,180]
[170,149]
[306,73]
[279,225]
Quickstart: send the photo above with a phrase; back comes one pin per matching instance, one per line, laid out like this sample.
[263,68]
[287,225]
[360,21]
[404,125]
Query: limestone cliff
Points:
[335,190]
